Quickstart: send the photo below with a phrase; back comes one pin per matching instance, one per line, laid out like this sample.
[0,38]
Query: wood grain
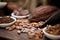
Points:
[14,36]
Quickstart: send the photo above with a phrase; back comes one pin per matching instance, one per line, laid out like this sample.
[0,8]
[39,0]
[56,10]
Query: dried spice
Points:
[5,19]
[37,34]
[24,26]
[55,30]
[21,12]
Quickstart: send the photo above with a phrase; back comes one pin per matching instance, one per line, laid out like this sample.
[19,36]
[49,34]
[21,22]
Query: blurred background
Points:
[31,4]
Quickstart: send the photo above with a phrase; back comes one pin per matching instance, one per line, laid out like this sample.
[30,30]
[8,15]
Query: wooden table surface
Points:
[14,36]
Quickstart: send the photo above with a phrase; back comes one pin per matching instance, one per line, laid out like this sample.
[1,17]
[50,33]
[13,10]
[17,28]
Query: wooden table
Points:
[12,35]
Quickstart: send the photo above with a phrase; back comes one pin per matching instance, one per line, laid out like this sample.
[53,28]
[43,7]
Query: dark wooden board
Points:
[14,36]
